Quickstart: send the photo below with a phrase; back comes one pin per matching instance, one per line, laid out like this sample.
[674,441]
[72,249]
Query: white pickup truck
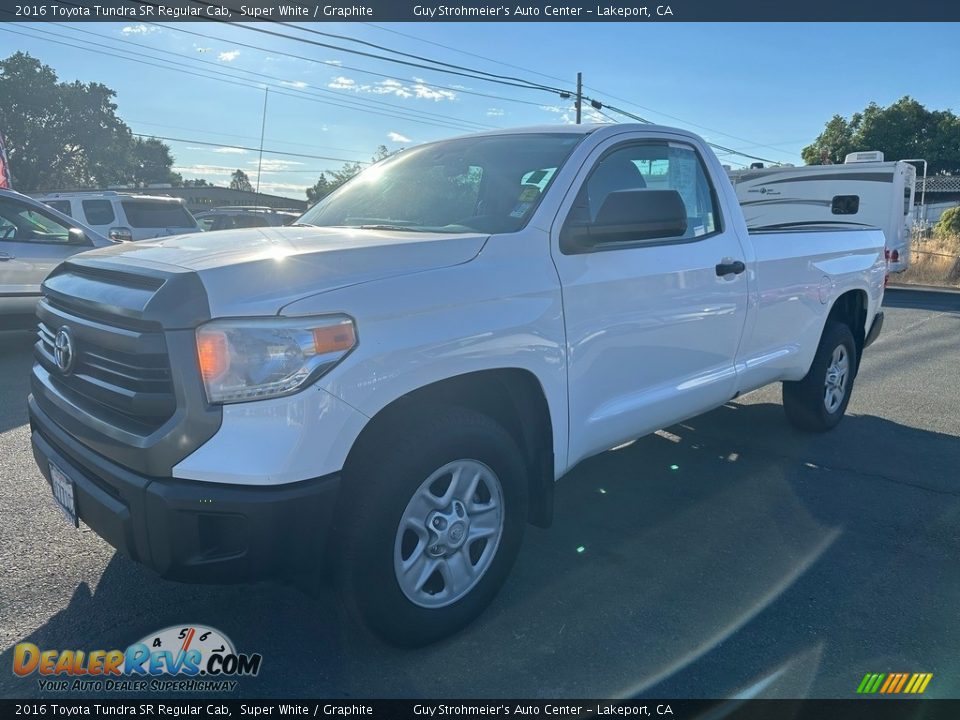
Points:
[390,388]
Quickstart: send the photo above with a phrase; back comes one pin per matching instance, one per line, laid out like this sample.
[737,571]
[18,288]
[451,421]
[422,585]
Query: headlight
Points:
[263,358]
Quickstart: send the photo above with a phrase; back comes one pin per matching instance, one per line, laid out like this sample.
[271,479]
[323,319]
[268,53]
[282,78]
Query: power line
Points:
[365,43]
[629,102]
[685,122]
[254,149]
[242,137]
[242,82]
[286,83]
[341,66]
[500,80]
[492,77]
[462,52]
[715,146]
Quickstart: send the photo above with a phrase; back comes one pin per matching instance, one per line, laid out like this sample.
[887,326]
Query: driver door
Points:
[653,323]
[32,243]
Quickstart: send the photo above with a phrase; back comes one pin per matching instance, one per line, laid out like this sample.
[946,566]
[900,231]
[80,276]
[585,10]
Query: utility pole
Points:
[579,95]
[263,127]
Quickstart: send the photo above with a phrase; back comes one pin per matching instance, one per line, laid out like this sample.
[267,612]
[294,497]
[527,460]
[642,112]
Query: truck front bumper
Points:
[187,530]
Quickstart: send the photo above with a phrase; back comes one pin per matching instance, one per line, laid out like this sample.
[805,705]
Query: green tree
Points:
[150,162]
[240,181]
[63,135]
[949,224]
[833,143]
[905,129]
[330,180]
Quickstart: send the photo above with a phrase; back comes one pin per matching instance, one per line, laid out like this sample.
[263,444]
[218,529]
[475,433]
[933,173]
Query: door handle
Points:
[734,267]
[6,256]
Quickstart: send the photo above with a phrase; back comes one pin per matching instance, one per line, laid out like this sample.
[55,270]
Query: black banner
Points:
[638,11]
[861,709]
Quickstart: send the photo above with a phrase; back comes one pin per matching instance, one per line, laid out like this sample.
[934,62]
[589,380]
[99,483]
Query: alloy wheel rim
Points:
[449,533]
[835,383]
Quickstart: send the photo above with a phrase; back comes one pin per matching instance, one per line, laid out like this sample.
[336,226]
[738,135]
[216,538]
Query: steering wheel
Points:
[9,231]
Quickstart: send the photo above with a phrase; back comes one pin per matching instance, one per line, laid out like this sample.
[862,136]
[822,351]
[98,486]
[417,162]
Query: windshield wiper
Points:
[405,228]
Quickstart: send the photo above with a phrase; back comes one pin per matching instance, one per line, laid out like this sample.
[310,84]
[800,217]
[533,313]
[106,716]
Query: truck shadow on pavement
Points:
[726,551]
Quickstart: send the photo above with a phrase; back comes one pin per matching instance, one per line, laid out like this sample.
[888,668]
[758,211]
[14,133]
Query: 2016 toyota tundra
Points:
[390,388]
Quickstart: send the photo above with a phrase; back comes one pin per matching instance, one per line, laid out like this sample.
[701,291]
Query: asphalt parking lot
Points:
[729,555]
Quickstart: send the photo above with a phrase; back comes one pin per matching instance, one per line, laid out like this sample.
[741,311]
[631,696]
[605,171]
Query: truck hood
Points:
[258,270]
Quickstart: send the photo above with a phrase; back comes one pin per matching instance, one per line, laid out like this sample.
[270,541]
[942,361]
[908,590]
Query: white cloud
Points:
[342,83]
[338,63]
[388,87]
[228,56]
[230,151]
[204,170]
[298,84]
[271,165]
[592,116]
[397,137]
[495,112]
[202,49]
[140,29]
[429,93]
[291,190]
[566,113]
[392,87]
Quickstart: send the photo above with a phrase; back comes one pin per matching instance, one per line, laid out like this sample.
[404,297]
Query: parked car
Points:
[34,239]
[229,218]
[124,216]
[392,386]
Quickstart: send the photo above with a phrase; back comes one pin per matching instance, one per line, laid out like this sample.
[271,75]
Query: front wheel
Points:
[432,526]
[818,402]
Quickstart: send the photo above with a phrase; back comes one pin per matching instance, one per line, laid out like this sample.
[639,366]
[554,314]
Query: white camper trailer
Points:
[863,192]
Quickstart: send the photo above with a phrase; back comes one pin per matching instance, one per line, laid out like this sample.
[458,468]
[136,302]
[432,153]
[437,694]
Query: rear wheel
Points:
[432,526]
[818,402]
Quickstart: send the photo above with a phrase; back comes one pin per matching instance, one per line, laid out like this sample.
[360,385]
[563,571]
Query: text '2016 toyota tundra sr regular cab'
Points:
[391,387]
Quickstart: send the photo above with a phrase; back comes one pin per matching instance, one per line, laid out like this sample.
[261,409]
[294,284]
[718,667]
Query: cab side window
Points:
[655,166]
[23,223]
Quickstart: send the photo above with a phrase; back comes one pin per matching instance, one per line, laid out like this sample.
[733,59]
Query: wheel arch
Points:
[514,397]
[850,308]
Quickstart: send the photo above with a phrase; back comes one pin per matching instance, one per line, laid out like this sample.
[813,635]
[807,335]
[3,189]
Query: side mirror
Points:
[78,237]
[628,216]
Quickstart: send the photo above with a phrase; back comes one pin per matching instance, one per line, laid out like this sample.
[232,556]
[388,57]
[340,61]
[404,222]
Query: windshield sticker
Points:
[529,194]
[521,209]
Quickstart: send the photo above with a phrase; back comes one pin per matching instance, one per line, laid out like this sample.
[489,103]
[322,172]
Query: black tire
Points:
[379,487]
[805,401]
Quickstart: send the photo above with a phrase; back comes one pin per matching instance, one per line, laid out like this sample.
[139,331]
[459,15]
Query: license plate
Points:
[63,494]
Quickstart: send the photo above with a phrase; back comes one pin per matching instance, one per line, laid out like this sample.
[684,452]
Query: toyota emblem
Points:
[63,351]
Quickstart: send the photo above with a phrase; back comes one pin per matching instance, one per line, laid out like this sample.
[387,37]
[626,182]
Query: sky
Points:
[762,89]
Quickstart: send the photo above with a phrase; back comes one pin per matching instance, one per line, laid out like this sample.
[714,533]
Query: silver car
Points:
[34,239]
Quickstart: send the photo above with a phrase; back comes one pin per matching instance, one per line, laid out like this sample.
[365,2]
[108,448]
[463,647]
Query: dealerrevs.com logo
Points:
[178,658]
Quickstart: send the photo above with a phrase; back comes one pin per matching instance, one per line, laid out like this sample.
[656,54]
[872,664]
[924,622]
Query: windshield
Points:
[487,184]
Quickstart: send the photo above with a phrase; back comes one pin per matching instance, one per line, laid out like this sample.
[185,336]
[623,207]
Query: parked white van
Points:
[125,216]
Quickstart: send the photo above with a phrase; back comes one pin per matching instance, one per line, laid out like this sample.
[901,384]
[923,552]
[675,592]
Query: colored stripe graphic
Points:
[894,683]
